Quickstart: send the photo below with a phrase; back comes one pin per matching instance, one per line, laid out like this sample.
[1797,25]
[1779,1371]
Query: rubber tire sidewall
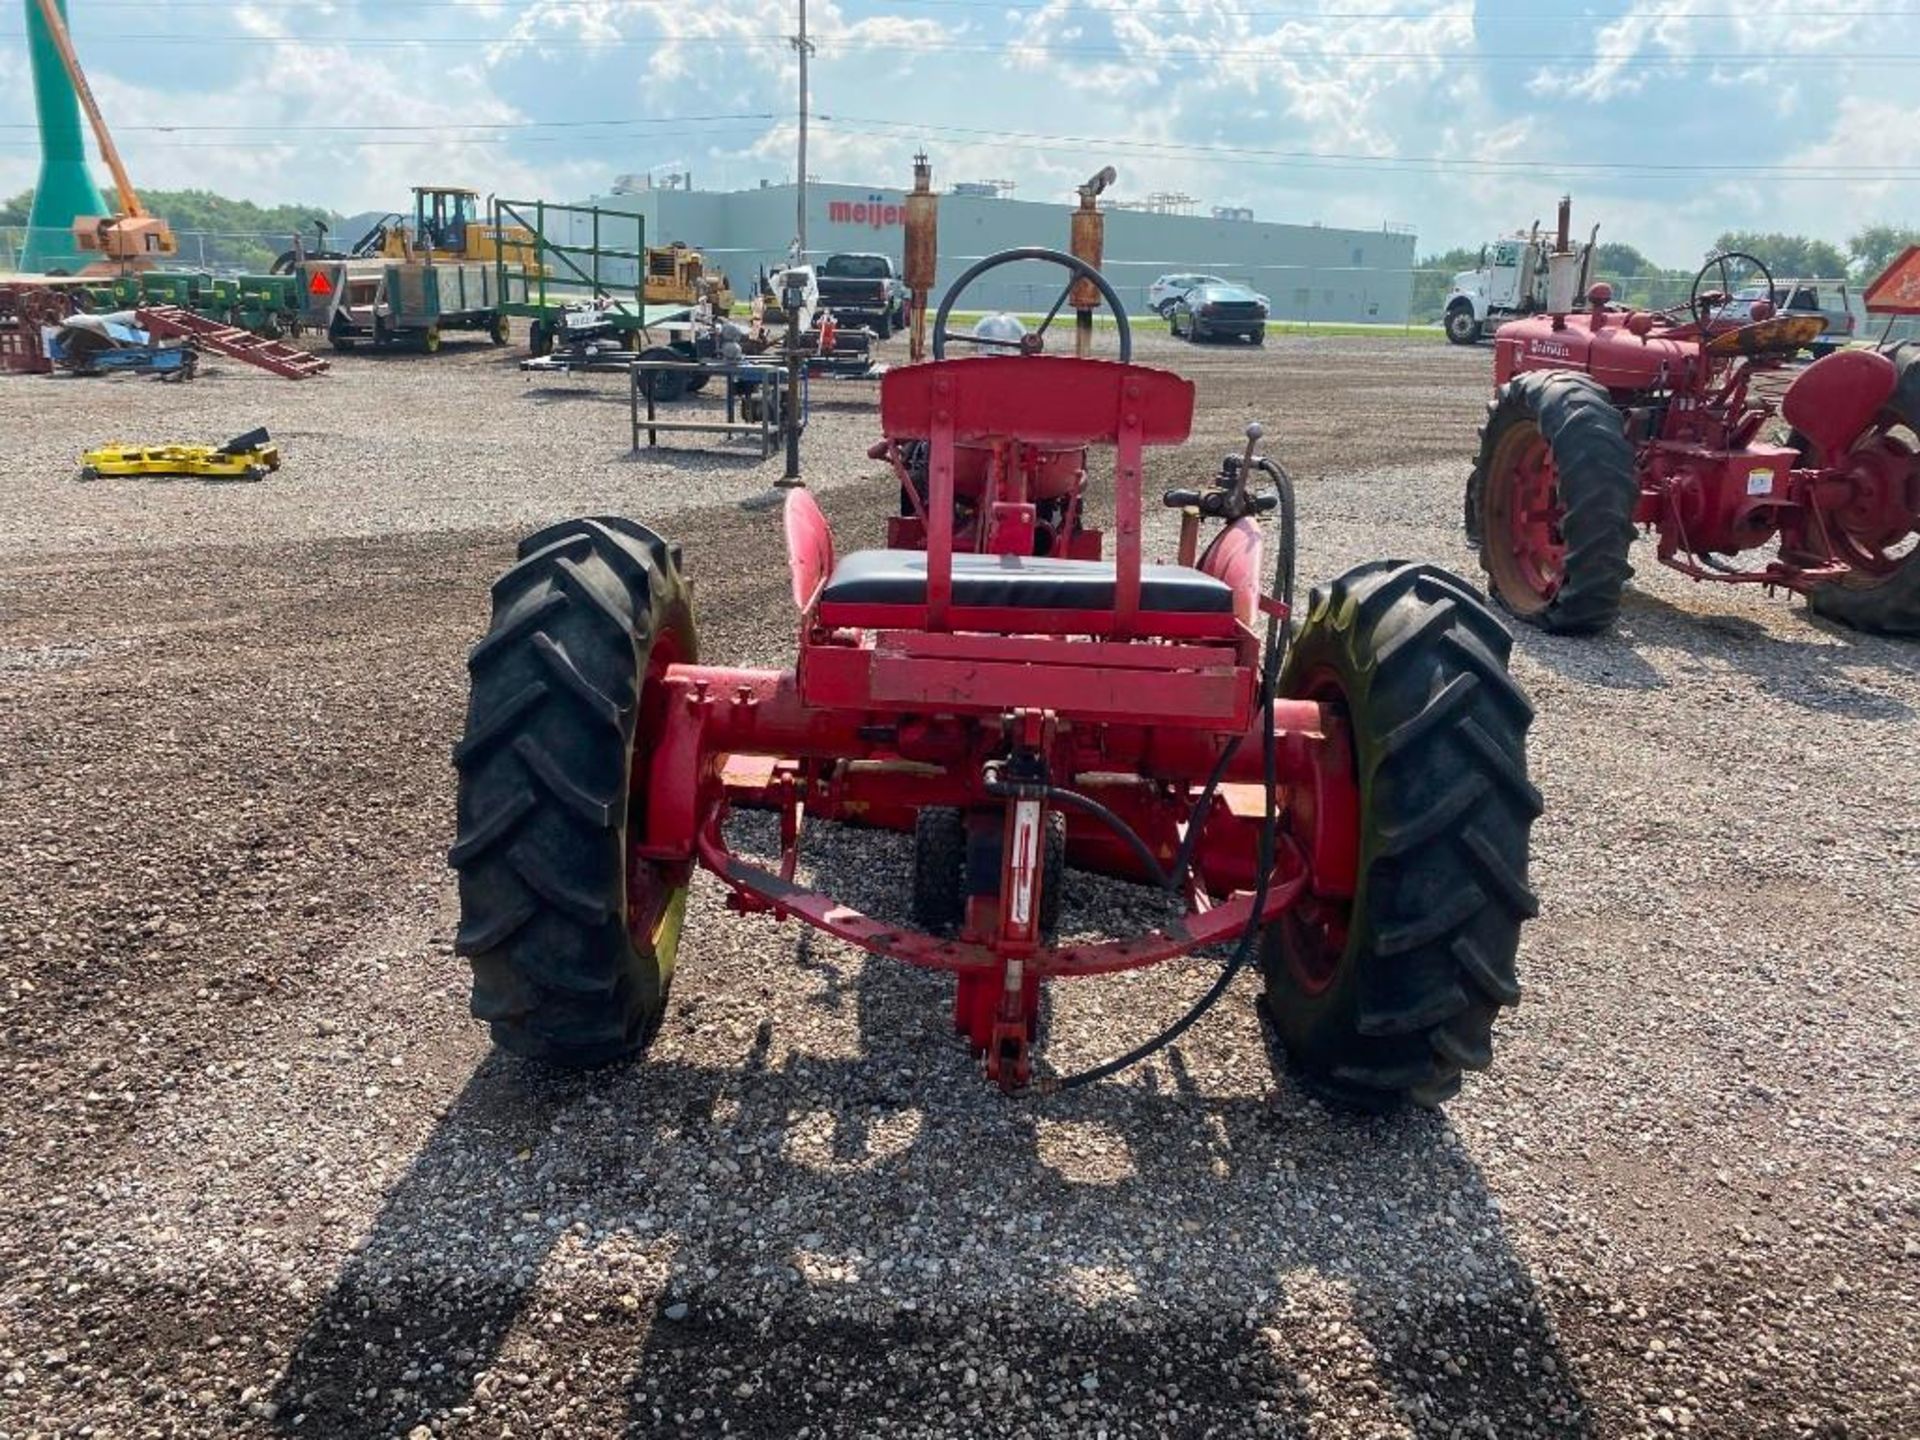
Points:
[1596,477]
[1448,655]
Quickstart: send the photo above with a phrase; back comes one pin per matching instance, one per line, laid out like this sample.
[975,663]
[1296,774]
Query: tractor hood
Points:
[1606,350]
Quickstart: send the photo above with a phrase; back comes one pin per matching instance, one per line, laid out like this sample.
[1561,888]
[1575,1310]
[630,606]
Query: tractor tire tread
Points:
[1440,751]
[540,848]
[939,869]
[1595,468]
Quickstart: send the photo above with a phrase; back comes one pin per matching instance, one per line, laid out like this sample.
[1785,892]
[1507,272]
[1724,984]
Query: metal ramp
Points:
[230,340]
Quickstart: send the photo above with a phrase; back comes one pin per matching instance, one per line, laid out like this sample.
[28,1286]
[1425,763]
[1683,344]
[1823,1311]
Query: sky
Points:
[1669,121]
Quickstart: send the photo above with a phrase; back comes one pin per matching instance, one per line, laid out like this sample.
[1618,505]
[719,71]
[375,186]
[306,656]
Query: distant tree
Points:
[1877,246]
[214,230]
[1789,257]
[229,234]
[1433,277]
[1617,260]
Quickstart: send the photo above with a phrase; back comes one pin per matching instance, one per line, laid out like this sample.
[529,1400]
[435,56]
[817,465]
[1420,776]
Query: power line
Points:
[1207,149]
[383,128]
[1528,13]
[1389,164]
[1732,60]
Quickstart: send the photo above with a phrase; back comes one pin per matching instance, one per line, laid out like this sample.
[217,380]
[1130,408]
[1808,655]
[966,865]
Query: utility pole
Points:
[805,47]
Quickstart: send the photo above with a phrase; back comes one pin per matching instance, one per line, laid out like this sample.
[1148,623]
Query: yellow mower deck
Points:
[210,462]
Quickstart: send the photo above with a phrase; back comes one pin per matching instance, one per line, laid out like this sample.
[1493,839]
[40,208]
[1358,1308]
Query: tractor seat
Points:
[889,587]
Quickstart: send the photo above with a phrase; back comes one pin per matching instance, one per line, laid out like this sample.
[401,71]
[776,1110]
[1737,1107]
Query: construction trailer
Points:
[400,302]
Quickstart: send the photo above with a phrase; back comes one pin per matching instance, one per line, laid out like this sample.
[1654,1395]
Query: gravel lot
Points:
[259,1174]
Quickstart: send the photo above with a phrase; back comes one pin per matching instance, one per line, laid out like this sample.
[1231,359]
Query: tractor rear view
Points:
[1339,797]
[1606,420]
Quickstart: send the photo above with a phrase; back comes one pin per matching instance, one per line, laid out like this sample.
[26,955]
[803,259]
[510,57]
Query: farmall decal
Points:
[1550,349]
[875,212]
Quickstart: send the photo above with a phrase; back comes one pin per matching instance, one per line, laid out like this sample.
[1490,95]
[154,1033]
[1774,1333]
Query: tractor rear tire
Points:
[939,869]
[1389,997]
[1461,327]
[1596,487]
[571,936]
[1883,604]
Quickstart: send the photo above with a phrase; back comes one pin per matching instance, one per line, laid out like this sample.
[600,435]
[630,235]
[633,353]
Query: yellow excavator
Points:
[134,239]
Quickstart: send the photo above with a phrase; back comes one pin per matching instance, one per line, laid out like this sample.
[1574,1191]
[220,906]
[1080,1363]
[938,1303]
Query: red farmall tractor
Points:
[1345,800]
[1605,420]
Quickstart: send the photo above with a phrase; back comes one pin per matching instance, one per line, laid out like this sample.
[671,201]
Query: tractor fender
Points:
[809,546]
[1235,559]
[1837,397]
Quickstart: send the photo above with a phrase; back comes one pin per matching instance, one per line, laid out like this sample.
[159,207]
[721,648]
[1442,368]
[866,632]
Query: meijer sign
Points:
[874,212]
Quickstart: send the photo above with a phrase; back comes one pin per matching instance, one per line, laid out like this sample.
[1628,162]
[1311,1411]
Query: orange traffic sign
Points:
[319,284]
[1897,291]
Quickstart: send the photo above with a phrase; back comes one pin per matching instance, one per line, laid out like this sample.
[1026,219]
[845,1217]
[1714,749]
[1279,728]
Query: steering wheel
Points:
[1035,341]
[1700,302]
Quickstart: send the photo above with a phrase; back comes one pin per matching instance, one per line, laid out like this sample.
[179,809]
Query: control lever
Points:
[1219,503]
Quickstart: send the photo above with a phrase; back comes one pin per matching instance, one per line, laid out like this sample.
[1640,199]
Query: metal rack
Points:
[764,382]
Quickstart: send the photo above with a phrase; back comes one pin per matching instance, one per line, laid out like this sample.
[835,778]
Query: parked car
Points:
[1217,310]
[1169,288]
[1828,298]
[864,289]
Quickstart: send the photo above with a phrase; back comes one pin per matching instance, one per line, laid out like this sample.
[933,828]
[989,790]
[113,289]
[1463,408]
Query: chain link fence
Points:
[214,252]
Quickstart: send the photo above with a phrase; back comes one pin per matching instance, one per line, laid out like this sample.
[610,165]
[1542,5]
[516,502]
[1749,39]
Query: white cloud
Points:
[1179,95]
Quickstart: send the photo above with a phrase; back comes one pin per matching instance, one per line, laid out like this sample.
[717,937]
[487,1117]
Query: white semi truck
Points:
[1511,280]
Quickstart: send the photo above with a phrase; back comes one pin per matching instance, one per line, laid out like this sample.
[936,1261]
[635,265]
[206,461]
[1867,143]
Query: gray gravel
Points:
[259,1175]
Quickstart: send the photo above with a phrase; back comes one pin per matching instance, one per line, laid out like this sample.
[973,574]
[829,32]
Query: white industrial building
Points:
[1309,272]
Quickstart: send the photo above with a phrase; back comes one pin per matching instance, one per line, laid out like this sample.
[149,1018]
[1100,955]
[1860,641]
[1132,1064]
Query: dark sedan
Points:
[1213,312]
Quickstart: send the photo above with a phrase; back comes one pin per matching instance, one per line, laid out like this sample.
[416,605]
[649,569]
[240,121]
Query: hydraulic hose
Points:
[1274,655]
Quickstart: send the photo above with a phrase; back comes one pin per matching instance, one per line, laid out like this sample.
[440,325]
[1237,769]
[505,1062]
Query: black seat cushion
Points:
[1020,582]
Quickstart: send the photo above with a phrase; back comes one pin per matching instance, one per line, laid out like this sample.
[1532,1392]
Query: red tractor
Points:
[1345,800]
[1609,419]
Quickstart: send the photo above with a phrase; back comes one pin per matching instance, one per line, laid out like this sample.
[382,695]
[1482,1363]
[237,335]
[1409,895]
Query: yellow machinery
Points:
[252,456]
[134,239]
[447,227]
[679,276]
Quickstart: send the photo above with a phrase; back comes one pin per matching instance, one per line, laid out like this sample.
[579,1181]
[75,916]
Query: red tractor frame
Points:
[1349,802]
[1608,419]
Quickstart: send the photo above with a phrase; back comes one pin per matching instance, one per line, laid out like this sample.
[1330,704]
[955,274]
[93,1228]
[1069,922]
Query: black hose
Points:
[1279,636]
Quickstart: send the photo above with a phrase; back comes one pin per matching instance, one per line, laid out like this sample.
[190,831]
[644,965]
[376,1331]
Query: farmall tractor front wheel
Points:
[1390,995]
[571,936]
[1551,500]
[1882,594]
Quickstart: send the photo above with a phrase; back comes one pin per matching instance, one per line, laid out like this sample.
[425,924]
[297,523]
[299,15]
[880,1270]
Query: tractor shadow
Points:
[823,1238]
[852,1311]
[1801,671]
[549,394]
[1807,674]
